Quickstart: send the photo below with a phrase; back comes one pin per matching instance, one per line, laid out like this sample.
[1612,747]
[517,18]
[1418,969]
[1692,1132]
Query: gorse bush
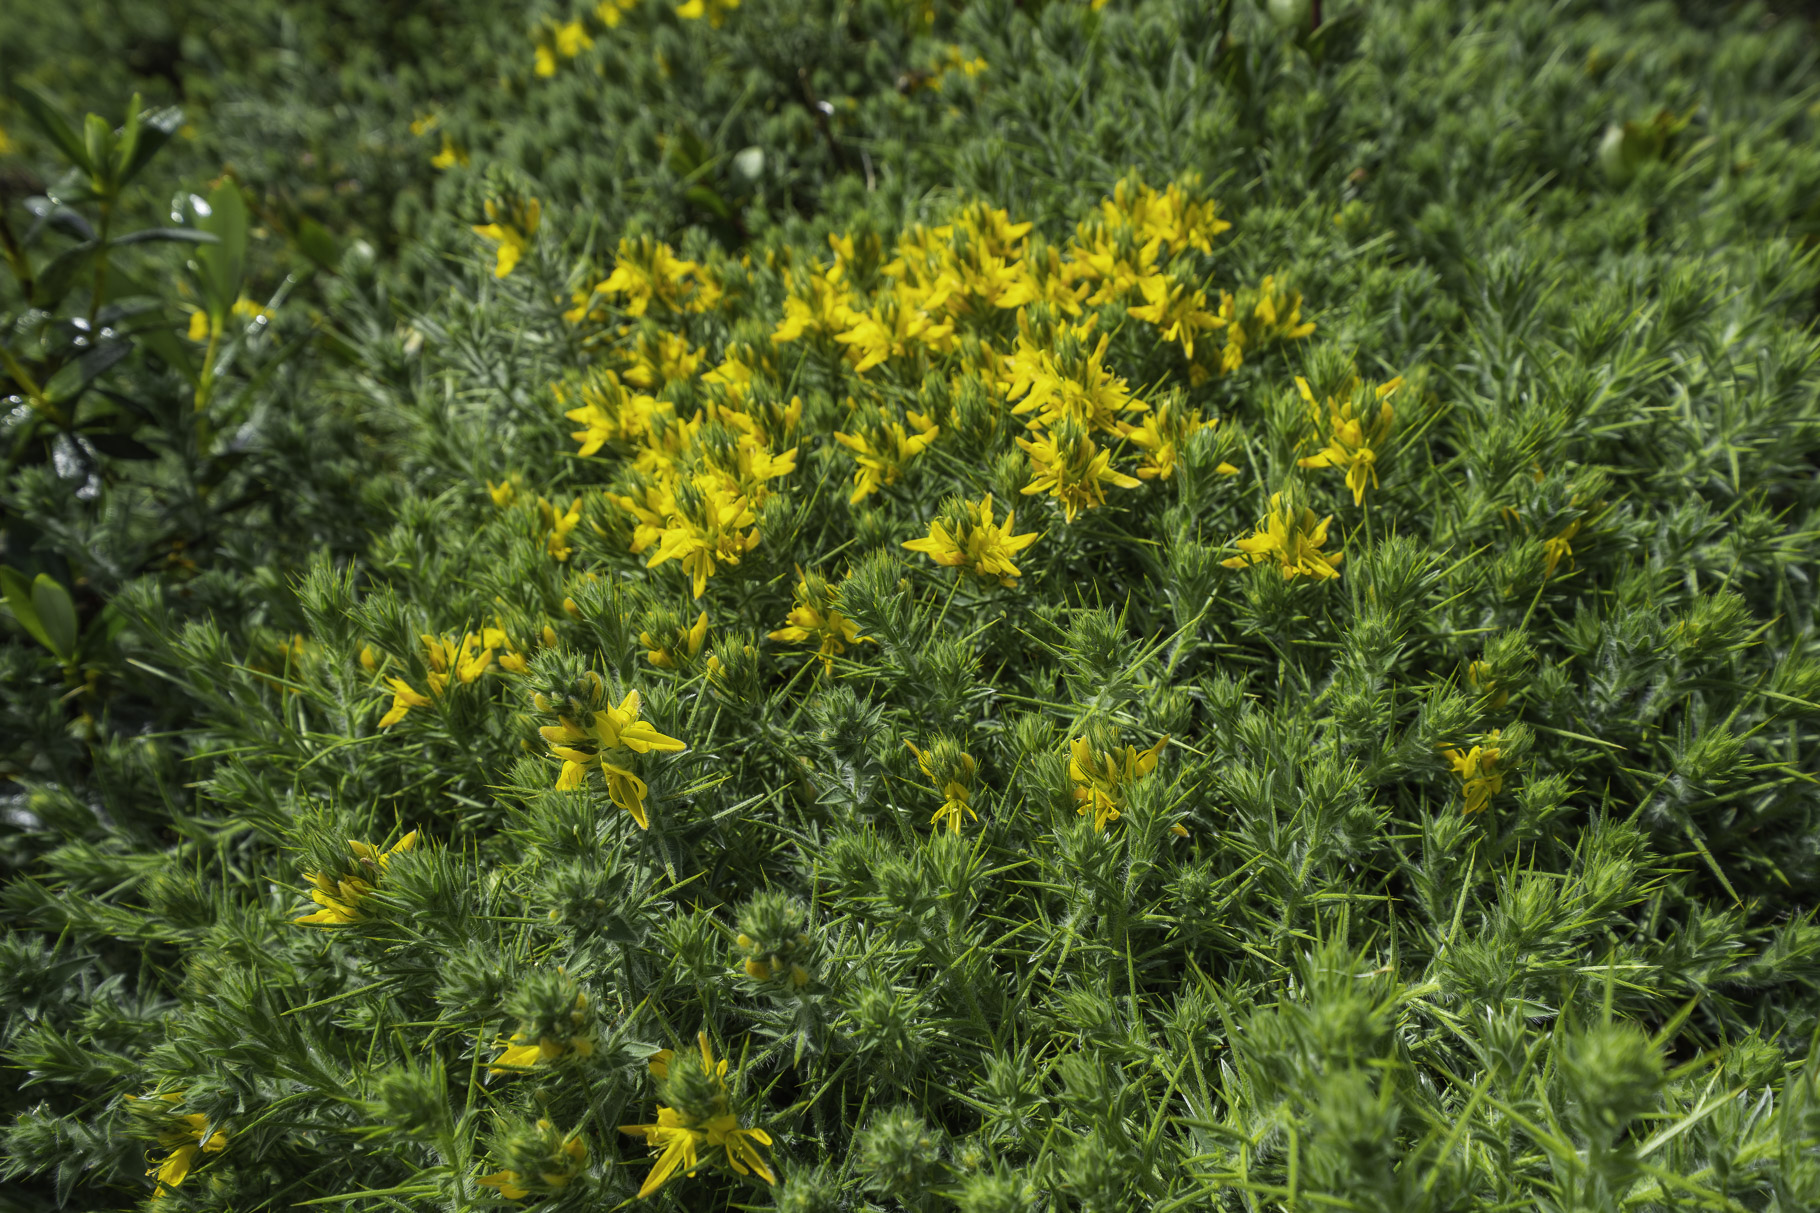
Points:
[912,606]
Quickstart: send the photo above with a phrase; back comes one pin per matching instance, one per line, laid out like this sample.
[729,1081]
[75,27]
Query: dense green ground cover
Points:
[514,575]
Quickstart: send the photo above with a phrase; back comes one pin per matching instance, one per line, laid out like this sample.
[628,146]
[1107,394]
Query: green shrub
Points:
[824,607]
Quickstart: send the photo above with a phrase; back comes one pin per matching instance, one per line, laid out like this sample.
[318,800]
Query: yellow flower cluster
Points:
[586,739]
[1102,777]
[558,41]
[185,1135]
[1353,438]
[964,536]
[1289,541]
[1014,325]
[1477,770]
[511,224]
[564,1155]
[574,1039]
[817,619]
[448,660]
[698,478]
[951,773]
[340,897]
[702,1121]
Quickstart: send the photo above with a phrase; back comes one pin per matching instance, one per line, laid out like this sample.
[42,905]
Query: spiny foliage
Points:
[1008,607]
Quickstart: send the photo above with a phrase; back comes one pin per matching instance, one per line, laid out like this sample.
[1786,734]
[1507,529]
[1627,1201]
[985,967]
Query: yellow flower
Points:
[1071,468]
[1102,777]
[817,305]
[951,773]
[714,10]
[185,1136]
[559,41]
[558,1159]
[816,618]
[895,327]
[1176,308]
[450,155]
[512,658]
[340,897]
[510,225]
[444,658]
[1480,675]
[647,272]
[1352,440]
[612,12]
[703,1121]
[506,491]
[1065,381]
[555,527]
[1161,435]
[584,741]
[404,698]
[672,651]
[965,537]
[572,1039]
[1477,770]
[1255,318]
[201,328]
[1292,544]
[882,448]
[1560,547]
[706,532]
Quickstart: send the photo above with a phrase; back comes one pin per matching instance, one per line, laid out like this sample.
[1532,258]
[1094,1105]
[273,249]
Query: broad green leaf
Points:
[19,597]
[155,130]
[98,141]
[55,280]
[315,242]
[126,140]
[56,615]
[45,117]
[73,378]
[172,349]
[708,200]
[224,262]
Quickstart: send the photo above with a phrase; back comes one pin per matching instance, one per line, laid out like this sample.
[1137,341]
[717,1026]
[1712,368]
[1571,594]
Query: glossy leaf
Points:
[224,262]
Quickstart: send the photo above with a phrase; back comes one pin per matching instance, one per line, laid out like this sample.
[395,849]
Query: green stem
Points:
[33,392]
[101,246]
[15,255]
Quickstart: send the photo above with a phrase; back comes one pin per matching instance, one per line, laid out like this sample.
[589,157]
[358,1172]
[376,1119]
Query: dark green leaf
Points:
[53,214]
[155,130]
[45,117]
[73,378]
[56,279]
[98,139]
[185,235]
[119,446]
[171,349]
[18,593]
[709,200]
[56,615]
[224,262]
[315,242]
